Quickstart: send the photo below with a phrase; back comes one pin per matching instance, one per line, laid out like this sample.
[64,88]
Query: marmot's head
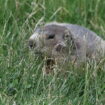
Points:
[51,40]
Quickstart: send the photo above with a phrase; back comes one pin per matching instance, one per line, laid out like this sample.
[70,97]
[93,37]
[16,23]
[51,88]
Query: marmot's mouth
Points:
[49,65]
[50,61]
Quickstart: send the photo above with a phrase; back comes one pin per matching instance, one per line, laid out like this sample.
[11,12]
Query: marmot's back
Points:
[79,31]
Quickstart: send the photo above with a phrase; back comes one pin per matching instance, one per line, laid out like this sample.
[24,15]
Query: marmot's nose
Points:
[32,43]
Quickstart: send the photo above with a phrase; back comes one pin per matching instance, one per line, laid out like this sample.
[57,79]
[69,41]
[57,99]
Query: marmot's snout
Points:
[32,43]
[33,40]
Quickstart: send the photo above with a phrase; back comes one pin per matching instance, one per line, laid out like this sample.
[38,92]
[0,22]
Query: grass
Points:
[21,79]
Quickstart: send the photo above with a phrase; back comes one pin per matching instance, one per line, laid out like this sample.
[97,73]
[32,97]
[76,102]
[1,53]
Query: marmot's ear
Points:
[69,38]
[67,35]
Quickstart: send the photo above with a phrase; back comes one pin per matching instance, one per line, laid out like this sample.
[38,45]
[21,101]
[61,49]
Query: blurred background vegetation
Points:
[21,79]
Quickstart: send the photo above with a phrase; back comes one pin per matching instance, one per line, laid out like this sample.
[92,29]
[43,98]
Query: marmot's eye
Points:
[50,36]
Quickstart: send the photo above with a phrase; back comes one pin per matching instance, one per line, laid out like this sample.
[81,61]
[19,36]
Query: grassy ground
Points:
[21,79]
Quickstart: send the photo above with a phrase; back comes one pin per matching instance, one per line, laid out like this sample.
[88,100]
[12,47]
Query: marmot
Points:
[66,42]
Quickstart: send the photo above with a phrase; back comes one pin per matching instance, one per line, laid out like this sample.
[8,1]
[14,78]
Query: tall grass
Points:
[21,78]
